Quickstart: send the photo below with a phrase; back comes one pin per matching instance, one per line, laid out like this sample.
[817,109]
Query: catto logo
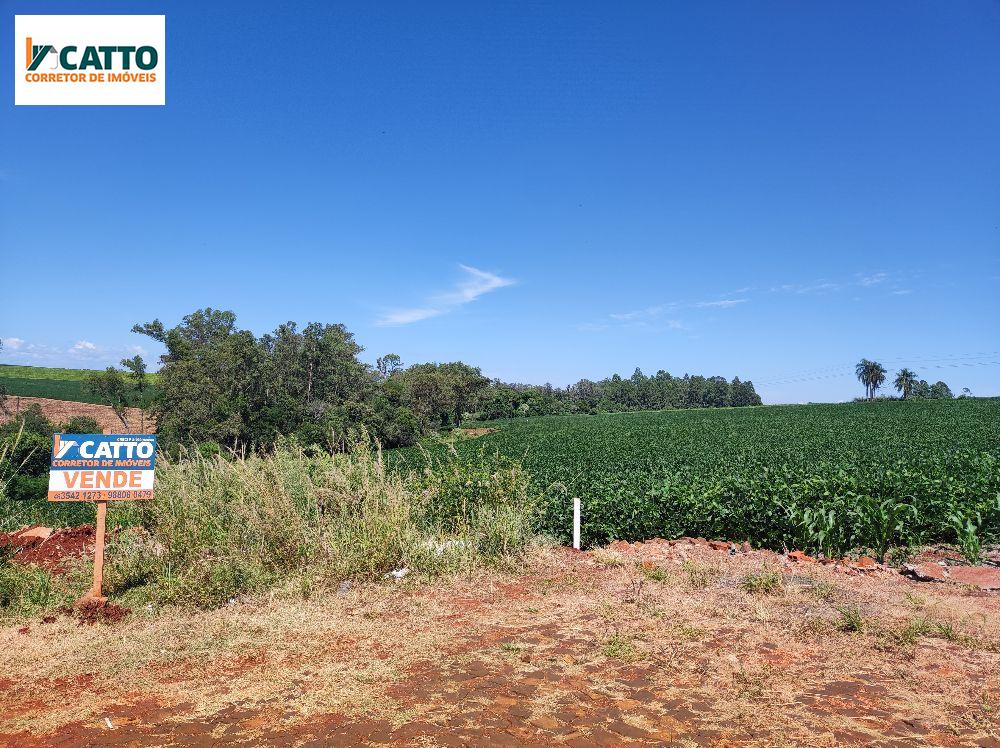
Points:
[90,60]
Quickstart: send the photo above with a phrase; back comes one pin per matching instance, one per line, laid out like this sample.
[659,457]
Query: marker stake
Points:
[576,523]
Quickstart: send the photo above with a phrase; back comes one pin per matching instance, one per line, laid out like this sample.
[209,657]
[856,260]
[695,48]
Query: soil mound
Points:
[52,552]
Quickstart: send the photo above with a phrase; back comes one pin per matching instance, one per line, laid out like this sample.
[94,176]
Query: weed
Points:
[654,573]
[222,527]
[751,684]
[968,533]
[699,577]
[823,591]
[690,633]
[608,558]
[765,582]
[851,620]
[619,647]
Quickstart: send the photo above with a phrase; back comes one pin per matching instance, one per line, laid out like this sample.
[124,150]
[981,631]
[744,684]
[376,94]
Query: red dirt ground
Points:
[54,552]
[60,411]
[645,644]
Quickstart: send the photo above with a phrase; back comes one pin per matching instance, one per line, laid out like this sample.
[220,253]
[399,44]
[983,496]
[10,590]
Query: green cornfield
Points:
[825,478]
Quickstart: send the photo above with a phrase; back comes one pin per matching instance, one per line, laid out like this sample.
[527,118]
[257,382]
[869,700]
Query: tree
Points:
[871,374]
[905,379]
[441,393]
[110,385]
[388,365]
[941,391]
[137,373]
[221,384]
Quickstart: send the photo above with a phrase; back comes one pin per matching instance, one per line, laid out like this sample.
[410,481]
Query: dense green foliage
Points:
[826,478]
[614,394]
[25,454]
[225,385]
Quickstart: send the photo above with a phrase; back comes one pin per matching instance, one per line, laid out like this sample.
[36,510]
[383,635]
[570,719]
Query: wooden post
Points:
[102,511]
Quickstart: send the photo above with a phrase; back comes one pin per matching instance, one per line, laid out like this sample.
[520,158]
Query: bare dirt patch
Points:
[54,550]
[655,644]
[61,411]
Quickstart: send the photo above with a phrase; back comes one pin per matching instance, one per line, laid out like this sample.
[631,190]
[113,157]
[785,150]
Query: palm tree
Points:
[905,379]
[861,372]
[871,374]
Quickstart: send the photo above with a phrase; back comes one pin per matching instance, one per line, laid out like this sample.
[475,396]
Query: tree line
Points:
[219,384]
[872,375]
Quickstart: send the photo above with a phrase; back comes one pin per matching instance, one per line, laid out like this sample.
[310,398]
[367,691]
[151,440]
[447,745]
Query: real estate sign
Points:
[102,467]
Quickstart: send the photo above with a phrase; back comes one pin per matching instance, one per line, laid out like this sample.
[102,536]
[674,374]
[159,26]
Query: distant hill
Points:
[50,382]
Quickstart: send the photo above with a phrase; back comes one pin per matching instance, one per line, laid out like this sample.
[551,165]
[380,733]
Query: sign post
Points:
[101,468]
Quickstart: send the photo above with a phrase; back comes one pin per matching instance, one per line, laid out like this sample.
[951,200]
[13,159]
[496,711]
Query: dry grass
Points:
[572,644]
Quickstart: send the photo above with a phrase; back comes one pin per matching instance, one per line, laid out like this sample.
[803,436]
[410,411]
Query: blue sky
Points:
[547,190]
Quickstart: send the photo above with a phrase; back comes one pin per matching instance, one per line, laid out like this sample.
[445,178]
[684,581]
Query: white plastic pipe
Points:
[576,523]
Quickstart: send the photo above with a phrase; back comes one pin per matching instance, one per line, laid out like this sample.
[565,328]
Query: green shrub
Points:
[224,527]
[25,590]
[82,425]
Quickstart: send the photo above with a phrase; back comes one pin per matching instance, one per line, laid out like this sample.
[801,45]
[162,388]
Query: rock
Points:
[718,545]
[926,572]
[42,533]
[984,577]
[800,557]
[398,574]
[866,562]
[343,588]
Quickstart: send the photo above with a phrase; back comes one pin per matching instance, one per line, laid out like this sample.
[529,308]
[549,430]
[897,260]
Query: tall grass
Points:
[226,526]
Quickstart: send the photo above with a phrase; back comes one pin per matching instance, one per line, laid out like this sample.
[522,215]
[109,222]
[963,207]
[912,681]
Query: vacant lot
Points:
[660,644]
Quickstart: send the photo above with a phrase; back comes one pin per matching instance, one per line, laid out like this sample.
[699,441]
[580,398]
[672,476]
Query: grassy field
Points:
[825,477]
[54,383]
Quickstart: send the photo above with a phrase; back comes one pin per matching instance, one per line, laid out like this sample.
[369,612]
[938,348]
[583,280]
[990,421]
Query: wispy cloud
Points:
[901,291]
[83,346]
[650,312]
[803,288]
[872,280]
[475,284]
[721,303]
[825,285]
[13,344]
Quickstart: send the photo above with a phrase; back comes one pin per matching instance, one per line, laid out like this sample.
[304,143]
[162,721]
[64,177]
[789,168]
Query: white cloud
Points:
[83,346]
[651,312]
[872,280]
[902,291]
[820,287]
[407,316]
[14,344]
[476,283]
[722,303]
